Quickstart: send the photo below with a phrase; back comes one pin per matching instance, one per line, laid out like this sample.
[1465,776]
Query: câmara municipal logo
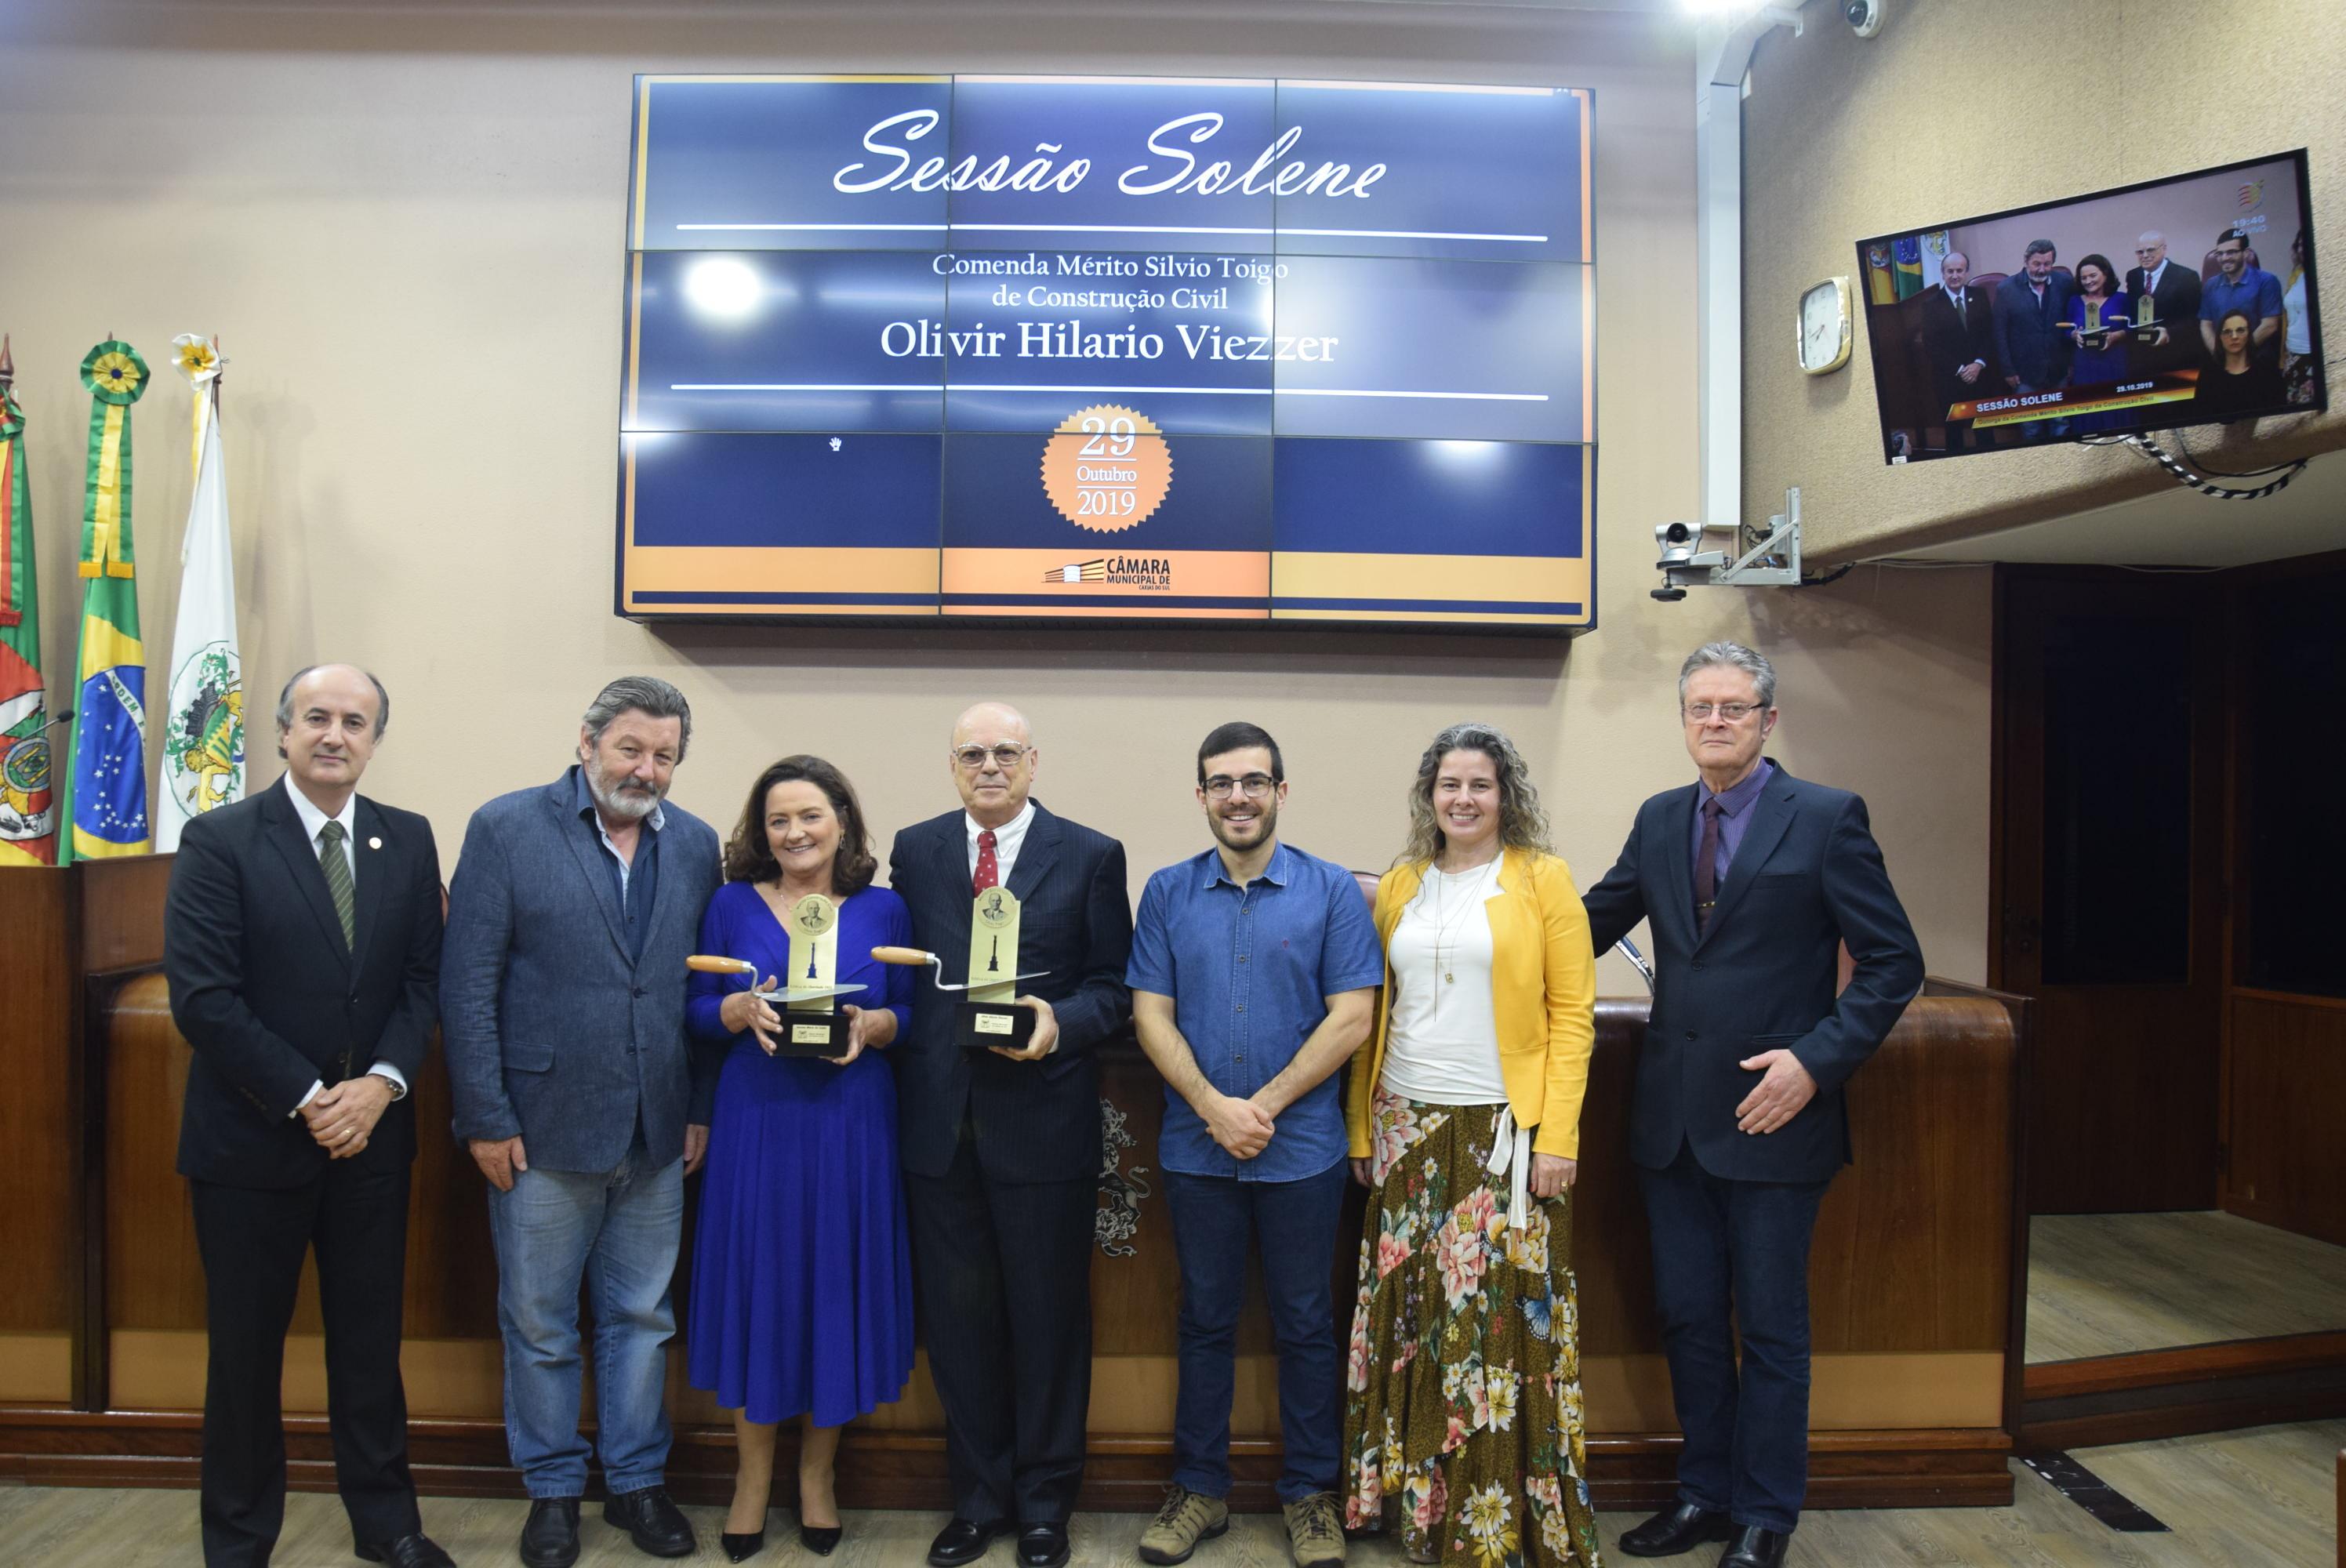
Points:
[1145,572]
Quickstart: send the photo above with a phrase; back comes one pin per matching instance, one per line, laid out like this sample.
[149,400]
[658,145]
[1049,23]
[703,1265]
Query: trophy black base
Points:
[981,1026]
[812,1034]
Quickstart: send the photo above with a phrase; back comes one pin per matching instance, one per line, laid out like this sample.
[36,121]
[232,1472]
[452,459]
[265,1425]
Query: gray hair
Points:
[1523,822]
[285,699]
[1953,255]
[645,693]
[2036,245]
[1731,656]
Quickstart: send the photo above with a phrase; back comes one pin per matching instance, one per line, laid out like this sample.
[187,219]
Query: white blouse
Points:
[1442,1041]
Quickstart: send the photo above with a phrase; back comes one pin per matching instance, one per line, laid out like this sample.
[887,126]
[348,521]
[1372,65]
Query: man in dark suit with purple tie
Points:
[1753,881]
[1001,1148]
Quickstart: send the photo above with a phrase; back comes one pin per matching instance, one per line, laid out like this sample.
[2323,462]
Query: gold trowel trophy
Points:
[808,997]
[988,1014]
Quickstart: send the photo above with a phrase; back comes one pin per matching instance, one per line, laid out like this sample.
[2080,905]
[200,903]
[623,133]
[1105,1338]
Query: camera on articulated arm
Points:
[1738,557]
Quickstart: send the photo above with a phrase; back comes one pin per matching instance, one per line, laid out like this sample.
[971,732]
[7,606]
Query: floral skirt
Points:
[1463,1415]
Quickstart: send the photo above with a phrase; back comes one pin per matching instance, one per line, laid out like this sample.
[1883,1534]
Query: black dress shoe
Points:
[652,1521]
[417,1551]
[963,1542]
[742,1548]
[1043,1546]
[822,1540]
[1681,1527]
[1752,1547]
[550,1539]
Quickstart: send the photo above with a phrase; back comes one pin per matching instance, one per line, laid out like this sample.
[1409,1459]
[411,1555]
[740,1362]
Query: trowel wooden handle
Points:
[900,955]
[714,964]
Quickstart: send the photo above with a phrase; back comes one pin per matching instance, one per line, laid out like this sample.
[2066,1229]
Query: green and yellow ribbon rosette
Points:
[116,378]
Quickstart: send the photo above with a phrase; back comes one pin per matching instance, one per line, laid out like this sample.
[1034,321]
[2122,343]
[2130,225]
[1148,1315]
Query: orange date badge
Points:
[1106,468]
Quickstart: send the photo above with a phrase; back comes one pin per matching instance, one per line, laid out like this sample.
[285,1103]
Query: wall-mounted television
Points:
[2178,301]
[1025,348]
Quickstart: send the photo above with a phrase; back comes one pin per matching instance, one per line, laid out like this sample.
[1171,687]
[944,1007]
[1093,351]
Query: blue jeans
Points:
[1216,1219]
[2043,429]
[619,1231]
[1738,1247]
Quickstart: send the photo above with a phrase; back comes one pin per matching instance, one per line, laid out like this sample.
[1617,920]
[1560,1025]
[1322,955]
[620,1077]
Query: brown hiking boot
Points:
[1315,1530]
[1186,1518]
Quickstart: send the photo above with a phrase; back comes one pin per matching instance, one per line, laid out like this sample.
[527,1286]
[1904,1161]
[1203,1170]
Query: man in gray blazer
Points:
[562,1000]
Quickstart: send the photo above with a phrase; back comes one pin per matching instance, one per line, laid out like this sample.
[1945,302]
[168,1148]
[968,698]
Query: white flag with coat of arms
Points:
[203,728]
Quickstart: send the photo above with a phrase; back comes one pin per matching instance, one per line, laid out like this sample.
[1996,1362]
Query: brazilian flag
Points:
[1908,252]
[109,762]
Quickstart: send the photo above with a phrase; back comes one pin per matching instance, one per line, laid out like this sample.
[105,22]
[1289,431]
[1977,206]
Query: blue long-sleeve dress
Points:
[801,1277]
[2100,367]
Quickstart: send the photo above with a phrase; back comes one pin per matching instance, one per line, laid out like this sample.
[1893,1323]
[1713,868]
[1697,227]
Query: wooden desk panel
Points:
[1912,1280]
[39,1300]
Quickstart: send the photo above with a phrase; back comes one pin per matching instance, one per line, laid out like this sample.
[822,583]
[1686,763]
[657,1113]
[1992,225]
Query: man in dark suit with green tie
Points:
[301,944]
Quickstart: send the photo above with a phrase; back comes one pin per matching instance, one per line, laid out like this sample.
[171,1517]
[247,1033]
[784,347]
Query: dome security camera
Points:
[1863,17]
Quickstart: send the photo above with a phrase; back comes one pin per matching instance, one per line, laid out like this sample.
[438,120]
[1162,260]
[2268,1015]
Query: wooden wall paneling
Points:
[452,1265]
[1913,1285]
[40,1302]
[153,1276]
[2288,1105]
[2109,1058]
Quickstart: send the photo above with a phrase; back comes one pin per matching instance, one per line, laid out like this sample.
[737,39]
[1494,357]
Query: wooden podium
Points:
[1917,1273]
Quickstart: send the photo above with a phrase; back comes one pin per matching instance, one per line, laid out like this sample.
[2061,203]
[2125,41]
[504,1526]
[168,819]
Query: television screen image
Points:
[2178,302]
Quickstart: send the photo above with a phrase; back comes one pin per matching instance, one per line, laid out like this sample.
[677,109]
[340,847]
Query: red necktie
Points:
[989,872]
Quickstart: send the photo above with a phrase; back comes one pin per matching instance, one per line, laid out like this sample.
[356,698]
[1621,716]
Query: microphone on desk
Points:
[65,718]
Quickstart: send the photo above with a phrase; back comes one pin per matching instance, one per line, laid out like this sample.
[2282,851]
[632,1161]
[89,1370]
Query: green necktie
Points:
[337,867]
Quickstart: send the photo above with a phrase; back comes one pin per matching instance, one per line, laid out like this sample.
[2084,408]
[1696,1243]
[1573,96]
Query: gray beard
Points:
[632,808]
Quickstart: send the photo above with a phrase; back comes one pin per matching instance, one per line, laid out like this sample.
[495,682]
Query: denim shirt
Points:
[1249,970]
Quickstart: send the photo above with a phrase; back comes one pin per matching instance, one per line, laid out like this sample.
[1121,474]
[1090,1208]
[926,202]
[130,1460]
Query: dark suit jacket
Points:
[2176,303]
[1806,878]
[2032,340]
[1950,341]
[1034,1121]
[272,1000]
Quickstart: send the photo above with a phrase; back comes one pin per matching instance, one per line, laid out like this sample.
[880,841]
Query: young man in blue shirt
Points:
[1253,975]
[2239,285]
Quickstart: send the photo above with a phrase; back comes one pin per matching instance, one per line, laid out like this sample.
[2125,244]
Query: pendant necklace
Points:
[1443,925]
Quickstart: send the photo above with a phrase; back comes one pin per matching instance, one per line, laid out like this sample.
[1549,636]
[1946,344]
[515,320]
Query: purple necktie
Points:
[1705,864]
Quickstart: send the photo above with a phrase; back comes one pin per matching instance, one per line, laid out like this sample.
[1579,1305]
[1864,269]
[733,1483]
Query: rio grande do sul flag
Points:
[109,754]
[202,730]
[28,813]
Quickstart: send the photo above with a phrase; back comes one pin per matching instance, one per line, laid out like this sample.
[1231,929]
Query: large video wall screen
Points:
[1149,349]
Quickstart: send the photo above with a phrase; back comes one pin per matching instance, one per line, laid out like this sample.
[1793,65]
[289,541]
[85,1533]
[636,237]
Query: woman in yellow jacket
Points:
[1463,1418]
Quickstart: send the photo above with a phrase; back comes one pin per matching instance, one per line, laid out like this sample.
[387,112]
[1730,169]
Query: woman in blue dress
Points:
[2098,306]
[802,1280]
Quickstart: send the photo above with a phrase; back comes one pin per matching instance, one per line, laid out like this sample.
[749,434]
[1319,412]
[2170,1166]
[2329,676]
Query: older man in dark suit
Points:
[2174,290]
[1753,881]
[301,944]
[574,909]
[1958,335]
[1001,1148]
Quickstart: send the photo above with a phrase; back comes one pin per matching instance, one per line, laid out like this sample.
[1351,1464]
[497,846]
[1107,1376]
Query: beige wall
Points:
[406,225]
[1946,114]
